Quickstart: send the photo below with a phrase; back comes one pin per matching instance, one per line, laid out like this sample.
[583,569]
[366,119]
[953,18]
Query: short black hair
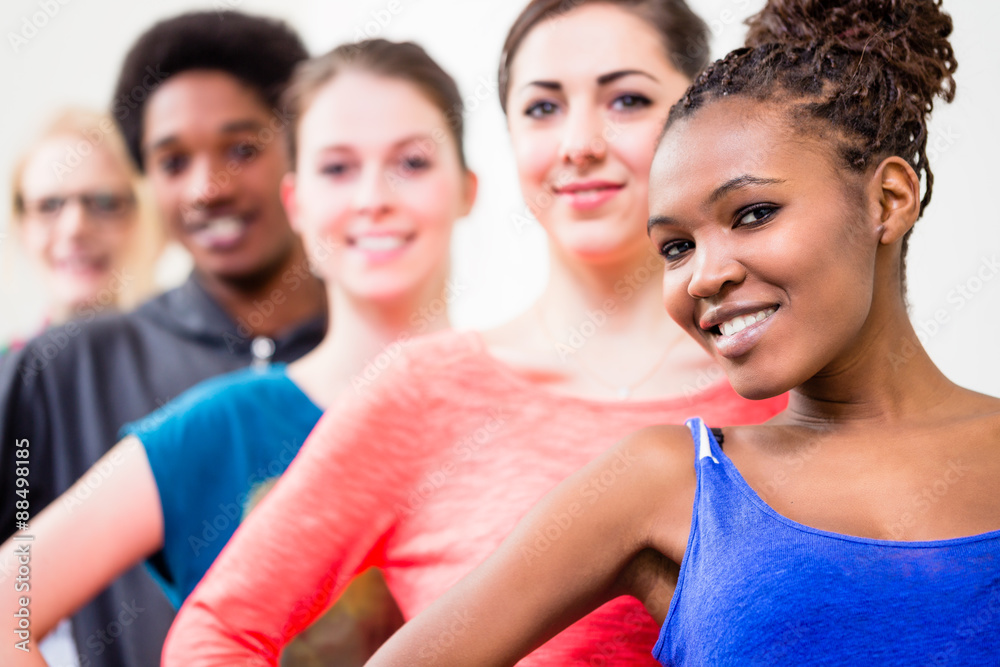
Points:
[261,52]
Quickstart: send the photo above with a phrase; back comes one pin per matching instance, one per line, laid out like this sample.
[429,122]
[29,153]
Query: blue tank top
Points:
[756,588]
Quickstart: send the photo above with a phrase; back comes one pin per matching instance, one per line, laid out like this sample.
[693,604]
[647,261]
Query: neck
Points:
[884,379]
[289,292]
[63,312]
[60,313]
[627,293]
[363,330]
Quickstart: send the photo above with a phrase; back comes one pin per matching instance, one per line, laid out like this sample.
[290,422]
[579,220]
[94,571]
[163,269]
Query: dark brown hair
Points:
[397,60]
[870,69]
[684,34]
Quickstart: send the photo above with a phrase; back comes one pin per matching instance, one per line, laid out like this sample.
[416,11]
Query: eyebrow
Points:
[655,220]
[740,182]
[416,137]
[234,127]
[605,79]
[733,184]
[602,80]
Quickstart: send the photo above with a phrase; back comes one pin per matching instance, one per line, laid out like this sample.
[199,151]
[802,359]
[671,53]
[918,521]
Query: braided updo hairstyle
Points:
[870,69]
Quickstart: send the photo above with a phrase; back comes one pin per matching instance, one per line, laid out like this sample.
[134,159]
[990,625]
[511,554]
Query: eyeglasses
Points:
[99,205]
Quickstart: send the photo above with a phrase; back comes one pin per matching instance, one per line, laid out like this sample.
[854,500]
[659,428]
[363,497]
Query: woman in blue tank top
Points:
[861,525]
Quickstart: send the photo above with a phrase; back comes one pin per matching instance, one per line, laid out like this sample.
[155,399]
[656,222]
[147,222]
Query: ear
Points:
[287,190]
[471,189]
[899,198]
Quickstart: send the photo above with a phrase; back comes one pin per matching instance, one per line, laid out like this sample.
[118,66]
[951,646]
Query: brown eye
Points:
[675,249]
[173,164]
[244,151]
[756,215]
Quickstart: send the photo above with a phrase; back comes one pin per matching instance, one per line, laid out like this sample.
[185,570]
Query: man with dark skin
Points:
[214,154]
[198,103]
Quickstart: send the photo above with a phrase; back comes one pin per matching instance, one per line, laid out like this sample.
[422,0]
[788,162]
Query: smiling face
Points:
[589,91]
[78,223]
[770,249]
[215,156]
[378,185]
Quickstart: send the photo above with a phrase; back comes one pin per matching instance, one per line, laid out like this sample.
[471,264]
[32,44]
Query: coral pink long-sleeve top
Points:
[423,474]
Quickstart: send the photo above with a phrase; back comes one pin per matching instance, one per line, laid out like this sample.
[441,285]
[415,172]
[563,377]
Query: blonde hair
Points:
[98,131]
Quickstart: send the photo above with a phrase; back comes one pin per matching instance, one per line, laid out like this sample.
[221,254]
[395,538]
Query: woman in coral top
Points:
[424,472]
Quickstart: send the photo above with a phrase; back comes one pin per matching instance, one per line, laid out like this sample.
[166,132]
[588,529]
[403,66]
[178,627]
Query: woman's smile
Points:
[381,246]
[584,195]
[736,329]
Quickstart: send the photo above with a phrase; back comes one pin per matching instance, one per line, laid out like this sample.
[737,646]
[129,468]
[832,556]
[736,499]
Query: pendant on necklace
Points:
[623,393]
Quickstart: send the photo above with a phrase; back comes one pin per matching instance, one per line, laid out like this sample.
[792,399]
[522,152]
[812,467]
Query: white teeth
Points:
[741,322]
[227,226]
[379,243]
[219,231]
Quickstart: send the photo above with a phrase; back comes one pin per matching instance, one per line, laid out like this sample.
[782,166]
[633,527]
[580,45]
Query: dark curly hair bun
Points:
[869,68]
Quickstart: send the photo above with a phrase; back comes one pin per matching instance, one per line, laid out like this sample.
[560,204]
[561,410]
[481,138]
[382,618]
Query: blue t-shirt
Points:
[756,588]
[209,449]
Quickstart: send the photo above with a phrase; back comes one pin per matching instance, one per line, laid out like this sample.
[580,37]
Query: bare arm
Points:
[569,555]
[102,526]
[314,531]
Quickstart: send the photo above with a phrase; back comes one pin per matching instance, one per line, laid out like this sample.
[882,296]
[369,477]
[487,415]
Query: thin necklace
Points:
[623,392]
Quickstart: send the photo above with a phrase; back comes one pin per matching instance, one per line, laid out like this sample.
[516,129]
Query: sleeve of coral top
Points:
[316,529]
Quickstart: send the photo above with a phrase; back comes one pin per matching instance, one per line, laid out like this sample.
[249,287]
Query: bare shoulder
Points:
[993,427]
[989,425]
[642,474]
[664,460]
[990,406]
[661,450]
[979,401]
[991,418]
[978,418]
[666,479]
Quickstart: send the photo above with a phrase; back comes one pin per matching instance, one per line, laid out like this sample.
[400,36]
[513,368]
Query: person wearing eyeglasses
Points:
[197,102]
[83,220]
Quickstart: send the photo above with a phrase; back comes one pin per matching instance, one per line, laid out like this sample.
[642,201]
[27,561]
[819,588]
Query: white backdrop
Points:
[72,57]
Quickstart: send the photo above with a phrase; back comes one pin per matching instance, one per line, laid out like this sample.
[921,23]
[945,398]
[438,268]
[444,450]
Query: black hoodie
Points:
[69,391]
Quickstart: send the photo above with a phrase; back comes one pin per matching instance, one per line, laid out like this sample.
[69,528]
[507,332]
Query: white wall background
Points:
[501,266]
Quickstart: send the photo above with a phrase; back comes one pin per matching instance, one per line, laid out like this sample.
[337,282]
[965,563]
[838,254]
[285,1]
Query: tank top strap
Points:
[705,442]
[719,494]
[719,530]
[713,497]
